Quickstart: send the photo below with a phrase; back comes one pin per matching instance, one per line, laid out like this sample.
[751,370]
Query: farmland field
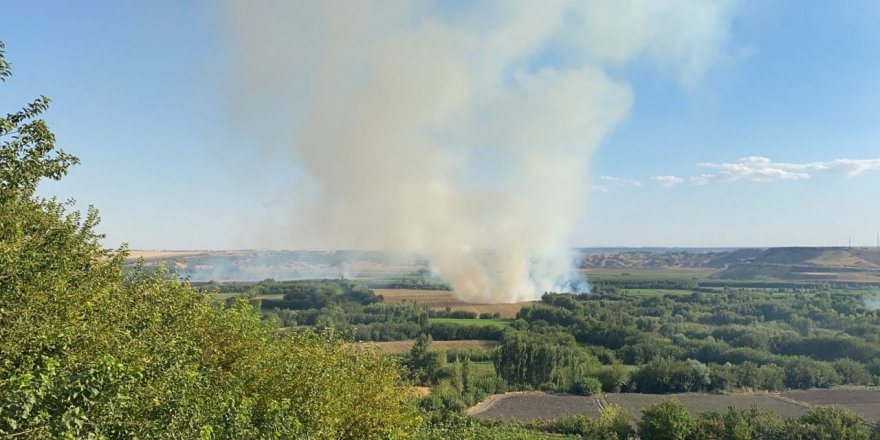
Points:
[792,404]
[532,405]
[440,299]
[865,403]
[405,346]
[697,403]
[134,254]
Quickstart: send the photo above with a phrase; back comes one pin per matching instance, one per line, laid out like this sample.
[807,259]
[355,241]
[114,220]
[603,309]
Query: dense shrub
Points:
[668,420]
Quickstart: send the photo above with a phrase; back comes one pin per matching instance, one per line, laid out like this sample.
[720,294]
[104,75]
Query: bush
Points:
[805,373]
[613,378]
[833,423]
[587,386]
[615,419]
[576,425]
[668,420]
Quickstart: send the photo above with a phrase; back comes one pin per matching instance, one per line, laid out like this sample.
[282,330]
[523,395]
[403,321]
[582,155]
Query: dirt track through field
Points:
[523,406]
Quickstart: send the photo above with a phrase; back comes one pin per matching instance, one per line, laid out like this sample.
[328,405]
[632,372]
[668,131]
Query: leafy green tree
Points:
[805,373]
[613,378]
[833,423]
[668,420]
[423,362]
[852,372]
[875,433]
[750,424]
[615,419]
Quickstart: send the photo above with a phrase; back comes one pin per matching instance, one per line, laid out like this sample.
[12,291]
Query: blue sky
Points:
[139,93]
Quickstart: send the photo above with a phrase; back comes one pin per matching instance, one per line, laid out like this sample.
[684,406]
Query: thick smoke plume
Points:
[459,131]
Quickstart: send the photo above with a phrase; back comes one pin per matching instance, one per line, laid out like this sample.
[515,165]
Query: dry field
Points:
[440,299]
[405,346]
[534,405]
[147,254]
[865,403]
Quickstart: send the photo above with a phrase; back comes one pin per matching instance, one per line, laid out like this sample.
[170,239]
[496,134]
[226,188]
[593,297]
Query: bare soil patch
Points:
[698,403]
[534,405]
[865,403]
[147,254]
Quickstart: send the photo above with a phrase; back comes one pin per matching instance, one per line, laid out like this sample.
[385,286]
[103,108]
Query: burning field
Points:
[441,299]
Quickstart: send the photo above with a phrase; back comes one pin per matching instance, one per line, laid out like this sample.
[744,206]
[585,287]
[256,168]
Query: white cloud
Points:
[668,181]
[620,181]
[854,167]
[762,169]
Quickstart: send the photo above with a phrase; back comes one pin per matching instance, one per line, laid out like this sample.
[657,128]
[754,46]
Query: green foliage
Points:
[806,373]
[465,428]
[750,424]
[852,372]
[668,420]
[833,423]
[669,375]
[5,67]
[613,423]
[545,363]
[613,377]
[586,386]
[424,364]
[313,294]
[87,352]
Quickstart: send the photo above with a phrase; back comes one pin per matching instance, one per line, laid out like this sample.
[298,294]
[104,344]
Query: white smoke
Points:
[463,133]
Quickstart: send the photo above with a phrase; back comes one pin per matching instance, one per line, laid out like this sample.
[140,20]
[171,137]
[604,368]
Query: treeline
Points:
[313,294]
[423,282]
[716,342]
[384,322]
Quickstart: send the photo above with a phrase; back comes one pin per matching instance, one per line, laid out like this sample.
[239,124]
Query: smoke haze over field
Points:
[452,131]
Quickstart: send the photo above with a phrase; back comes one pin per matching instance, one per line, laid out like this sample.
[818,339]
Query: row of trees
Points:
[780,340]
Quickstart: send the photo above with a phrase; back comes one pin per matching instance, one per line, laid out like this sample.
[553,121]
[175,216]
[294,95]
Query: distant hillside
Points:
[652,259]
[790,263]
[842,264]
[255,265]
